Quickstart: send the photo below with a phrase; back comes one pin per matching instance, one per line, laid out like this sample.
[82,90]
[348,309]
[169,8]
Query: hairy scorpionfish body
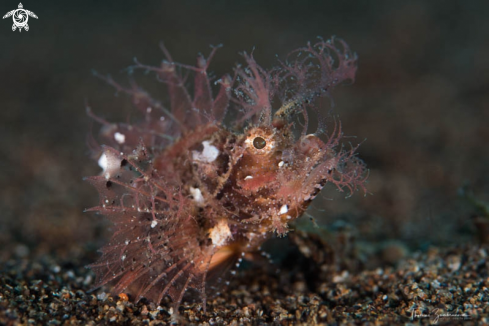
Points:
[189,196]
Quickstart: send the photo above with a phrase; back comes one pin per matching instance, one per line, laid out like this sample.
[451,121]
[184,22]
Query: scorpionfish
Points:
[201,180]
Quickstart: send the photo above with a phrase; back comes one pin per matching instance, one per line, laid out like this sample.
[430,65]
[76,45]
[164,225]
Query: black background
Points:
[420,102]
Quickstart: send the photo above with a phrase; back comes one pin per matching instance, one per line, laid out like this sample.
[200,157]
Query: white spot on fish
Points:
[284,209]
[208,155]
[248,177]
[154,223]
[280,164]
[120,138]
[102,161]
[197,194]
[220,233]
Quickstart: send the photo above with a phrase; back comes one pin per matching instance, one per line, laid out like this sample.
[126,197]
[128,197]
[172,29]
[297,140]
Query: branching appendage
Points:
[254,92]
[312,72]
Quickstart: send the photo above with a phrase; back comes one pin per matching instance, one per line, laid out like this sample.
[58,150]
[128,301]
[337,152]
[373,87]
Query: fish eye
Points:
[259,142]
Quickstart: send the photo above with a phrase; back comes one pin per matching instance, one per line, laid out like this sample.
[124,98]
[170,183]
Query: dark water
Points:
[420,102]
